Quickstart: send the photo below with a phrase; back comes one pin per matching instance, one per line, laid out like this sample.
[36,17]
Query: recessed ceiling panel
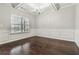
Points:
[39,7]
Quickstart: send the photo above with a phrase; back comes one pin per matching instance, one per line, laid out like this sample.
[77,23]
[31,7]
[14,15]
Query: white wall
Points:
[77,25]
[52,24]
[5,16]
[57,24]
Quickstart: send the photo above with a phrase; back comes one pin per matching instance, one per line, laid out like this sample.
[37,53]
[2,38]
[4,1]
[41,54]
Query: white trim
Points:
[12,38]
[61,34]
[11,41]
[19,5]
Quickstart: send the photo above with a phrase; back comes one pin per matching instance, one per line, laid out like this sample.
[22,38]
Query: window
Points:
[19,24]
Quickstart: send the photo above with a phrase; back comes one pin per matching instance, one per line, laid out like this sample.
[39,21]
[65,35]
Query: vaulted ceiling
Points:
[38,8]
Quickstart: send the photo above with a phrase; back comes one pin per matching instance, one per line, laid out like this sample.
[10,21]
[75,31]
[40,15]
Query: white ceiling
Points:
[39,7]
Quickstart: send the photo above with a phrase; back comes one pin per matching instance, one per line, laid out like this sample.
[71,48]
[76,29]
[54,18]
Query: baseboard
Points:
[54,39]
[14,40]
[33,37]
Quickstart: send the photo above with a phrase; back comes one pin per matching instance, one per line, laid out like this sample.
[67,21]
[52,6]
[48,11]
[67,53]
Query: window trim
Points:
[23,25]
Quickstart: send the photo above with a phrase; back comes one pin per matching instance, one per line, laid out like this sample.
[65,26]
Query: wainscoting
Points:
[62,34]
[42,46]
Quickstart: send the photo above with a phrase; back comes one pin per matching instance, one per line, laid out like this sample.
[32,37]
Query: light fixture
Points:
[38,7]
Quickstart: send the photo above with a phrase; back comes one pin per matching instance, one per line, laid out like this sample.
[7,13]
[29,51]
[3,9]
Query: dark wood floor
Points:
[43,46]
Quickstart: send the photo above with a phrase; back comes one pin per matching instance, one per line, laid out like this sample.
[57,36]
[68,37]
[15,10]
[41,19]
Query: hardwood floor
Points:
[43,46]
